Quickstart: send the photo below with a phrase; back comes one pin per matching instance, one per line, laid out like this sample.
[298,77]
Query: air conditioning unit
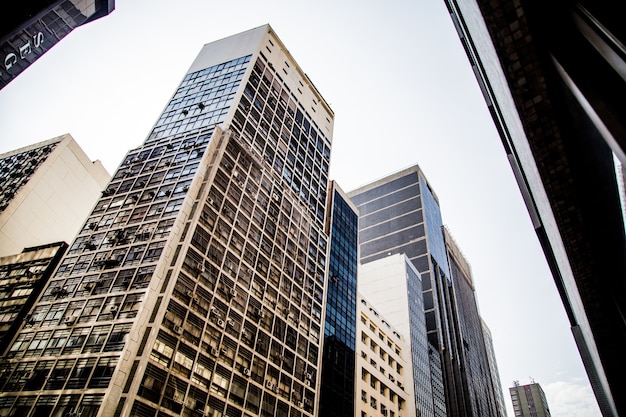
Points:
[230,322]
[177,329]
[114,308]
[246,371]
[308,376]
[270,385]
[299,404]
[223,351]
[232,292]
[220,323]
[69,320]
[214,351]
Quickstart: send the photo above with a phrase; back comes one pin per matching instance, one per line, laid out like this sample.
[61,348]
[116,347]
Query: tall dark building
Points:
[338,360]
[553,77]
[197,285]
[400,214]
[29,28]
[477,392]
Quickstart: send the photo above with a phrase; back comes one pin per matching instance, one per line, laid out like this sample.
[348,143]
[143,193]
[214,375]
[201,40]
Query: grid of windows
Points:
[337,395]
[16,168]
[89,305]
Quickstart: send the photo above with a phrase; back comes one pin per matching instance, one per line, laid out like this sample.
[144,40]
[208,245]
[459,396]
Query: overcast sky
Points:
[403,93]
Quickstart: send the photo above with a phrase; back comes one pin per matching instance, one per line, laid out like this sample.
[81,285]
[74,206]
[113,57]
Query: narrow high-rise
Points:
[197,284]
[338,372]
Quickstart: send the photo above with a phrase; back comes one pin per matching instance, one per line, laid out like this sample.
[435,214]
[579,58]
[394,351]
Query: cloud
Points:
[571,399]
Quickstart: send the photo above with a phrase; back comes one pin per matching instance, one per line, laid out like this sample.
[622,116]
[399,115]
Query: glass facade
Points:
[401,214]
[337,387]
[197,284]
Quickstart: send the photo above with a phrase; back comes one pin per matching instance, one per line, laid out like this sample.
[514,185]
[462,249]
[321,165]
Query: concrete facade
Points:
[48,190]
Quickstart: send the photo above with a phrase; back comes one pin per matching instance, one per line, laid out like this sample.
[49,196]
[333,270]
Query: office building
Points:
[338,359]
[529,400]
[477,392]
[553,78]
[383,368]
[396,286]
[197,284]
[400,214]
[46,192]
[22,277]
[29,29]
[493,368]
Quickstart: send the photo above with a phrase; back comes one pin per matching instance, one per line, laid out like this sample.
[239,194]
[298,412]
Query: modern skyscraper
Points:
[383,367]
[31,27]
[46,192]
[400,214]
[22,277]
[338,360]
[477,392]
[529,400]
[553,79]
[396,286]
[197,284]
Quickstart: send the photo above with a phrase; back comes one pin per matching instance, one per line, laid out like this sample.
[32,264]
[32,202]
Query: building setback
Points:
[553,78]
[29,29]
[338,364]
[47,190]
[529,400]
[197,284]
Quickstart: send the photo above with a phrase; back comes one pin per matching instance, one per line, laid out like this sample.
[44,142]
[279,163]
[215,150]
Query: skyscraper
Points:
[553,78]
[400,214]
[338,372]
[529,400]
[196,285]
[46,192]
[477,392]
[28,29]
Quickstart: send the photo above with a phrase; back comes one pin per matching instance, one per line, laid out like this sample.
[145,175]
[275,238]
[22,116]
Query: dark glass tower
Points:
[196,286]
[338,362]
[400,214]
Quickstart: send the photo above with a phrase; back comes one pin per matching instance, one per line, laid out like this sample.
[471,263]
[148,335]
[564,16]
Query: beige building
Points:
[383,374]
[47,190]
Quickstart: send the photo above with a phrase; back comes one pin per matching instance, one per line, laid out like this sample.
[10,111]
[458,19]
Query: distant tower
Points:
[529,400]
[46,191]
[197,285]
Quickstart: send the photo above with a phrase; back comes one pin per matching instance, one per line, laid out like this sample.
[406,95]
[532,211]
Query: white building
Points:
[393,285]
[46,191]
[383,370]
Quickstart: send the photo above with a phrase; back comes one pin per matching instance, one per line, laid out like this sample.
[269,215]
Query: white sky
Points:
[403,93]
